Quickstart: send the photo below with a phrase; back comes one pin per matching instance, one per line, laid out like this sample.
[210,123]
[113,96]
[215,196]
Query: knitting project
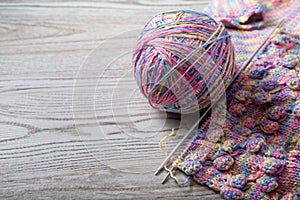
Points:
[255,153]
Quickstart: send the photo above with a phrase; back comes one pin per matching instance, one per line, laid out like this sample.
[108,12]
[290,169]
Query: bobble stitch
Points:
[271,86]
[269,127]
[231,193]
[267,60]
[190,167]
[261,62]
[254,145]
[277,113]
[290,61]
[261,98]
[258,72]
[294,84]
[272,165]
[251,85]
[223,163]
[214,182]
[281,40]
[242,95]
[267,184]
[238,181]
[249,123]
[229,146]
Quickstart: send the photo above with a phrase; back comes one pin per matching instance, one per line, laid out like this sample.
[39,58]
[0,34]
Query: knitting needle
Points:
[194,126]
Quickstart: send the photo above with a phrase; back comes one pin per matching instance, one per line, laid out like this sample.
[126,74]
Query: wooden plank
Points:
[69,128]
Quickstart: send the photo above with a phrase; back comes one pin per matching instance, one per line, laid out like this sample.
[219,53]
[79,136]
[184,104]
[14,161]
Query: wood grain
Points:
[70,127]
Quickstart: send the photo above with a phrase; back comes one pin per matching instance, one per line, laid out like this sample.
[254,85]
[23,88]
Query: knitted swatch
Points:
[255,153]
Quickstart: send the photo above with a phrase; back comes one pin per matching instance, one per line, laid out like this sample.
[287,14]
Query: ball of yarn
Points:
[183,61]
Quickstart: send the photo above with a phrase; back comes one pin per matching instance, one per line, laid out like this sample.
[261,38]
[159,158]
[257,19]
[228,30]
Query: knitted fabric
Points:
[247,41]
[242,14]
[255,153]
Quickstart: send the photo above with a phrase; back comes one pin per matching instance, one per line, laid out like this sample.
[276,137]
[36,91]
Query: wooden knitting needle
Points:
[196,124]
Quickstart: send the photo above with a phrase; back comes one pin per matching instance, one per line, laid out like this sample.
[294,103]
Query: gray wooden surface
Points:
[73,124]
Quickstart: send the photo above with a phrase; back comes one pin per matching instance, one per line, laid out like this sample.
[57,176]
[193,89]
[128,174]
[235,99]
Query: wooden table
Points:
[73,124]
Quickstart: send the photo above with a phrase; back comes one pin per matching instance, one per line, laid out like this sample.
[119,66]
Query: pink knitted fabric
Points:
[271,11]
[241,14]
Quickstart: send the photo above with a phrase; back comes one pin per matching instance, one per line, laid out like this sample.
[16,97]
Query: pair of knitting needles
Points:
[248,61]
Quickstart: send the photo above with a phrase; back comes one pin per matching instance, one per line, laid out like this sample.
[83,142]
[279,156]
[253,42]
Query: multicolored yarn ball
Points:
[183,61]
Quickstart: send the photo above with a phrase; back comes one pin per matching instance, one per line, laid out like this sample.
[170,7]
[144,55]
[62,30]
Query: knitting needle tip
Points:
[157,171]
[165,179]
